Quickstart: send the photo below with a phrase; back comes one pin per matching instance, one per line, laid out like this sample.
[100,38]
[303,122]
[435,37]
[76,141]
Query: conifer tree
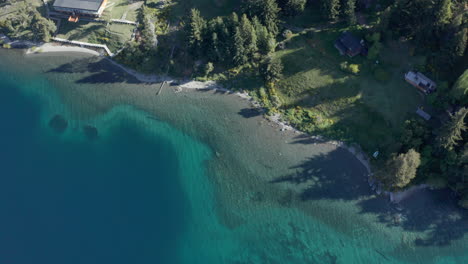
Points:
[460,89]
[249,36]
[271,70]
[265,41]
[451,133]
[443,13]
[349,11]
[224,39]
[195,30]
[240,57]
[291,7]
[400,170]
[331,8]
[266,10]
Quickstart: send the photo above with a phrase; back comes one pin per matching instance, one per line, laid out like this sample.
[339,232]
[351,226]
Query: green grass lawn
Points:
[114,35]
[361,108]
[79,31]
[118,9]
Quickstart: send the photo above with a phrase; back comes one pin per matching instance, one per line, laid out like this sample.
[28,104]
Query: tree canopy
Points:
[400,169]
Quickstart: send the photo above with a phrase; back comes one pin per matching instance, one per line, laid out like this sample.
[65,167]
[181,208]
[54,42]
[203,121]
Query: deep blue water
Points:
[112,200]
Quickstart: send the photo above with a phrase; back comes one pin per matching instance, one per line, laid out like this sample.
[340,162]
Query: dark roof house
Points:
[350,45]
[80,7]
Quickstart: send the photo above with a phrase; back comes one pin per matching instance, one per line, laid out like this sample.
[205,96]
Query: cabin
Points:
[420,81]
[77,8]
[350,45]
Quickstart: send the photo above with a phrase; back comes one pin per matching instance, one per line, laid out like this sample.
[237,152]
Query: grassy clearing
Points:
[114,35]
[121,9]
[360,108]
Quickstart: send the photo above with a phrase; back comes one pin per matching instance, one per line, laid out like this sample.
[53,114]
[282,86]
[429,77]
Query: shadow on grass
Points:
[101,71]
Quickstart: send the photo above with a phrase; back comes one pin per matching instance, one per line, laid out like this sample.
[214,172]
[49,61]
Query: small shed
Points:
[423,114]
[420,81]
[350,45]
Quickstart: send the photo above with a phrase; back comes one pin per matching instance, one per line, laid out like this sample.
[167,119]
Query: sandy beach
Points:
[55,48]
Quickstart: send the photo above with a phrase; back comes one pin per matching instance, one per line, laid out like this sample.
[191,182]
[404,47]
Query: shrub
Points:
[6,46]
[350,68]
[287,34]
[208,68]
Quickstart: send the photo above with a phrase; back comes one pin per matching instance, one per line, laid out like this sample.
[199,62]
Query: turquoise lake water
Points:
[186,179]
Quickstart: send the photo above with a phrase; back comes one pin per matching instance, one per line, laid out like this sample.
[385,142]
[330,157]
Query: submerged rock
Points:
[58,123]
[90,132]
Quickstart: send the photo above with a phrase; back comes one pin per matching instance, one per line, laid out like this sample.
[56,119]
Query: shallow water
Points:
[191,177]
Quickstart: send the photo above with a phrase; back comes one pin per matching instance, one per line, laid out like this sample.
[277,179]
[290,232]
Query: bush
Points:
[287,34]
[350,68]
[208,68]
[6,46]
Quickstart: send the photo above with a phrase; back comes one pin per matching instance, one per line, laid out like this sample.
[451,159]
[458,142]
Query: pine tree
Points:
[266,10]
[249,36]
[271,70]
[459,42]
[443,13]
[195,31]
[349,11]
[460,89]
[224,39]
[384,19]
[291,7]
[451,133]
[265,41]
[233,22]
[331,9]
[240,56]
[213,51]
[400,170]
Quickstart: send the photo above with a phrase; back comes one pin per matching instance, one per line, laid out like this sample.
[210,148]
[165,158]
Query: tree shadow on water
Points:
[250,112]
[100,70]
[432,211]
[335,175]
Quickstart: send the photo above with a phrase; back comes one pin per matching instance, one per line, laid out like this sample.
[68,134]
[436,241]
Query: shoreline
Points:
[207,85]
[212,85]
